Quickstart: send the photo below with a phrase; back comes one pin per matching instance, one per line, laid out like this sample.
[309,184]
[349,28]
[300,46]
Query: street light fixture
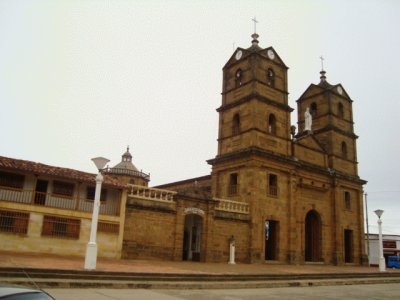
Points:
[382,264]
[91,249]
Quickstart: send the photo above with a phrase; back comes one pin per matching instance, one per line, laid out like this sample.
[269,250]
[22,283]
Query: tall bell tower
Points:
[254,111]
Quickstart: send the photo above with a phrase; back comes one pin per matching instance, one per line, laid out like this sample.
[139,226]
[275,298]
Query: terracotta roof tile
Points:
[42,169]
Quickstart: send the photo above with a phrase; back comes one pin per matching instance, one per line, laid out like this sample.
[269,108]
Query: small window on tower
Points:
[238,78]
[344,150]
[236,124]
[273,185]
[347,203]
[233,184]
[340,110]
[272,124]
[270,77]
[313,109]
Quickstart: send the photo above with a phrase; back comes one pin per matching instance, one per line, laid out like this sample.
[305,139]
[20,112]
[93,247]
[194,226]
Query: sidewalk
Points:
[173,267]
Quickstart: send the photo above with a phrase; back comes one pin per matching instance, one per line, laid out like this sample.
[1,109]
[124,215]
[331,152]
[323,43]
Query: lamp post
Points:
[91,249]
[382,266]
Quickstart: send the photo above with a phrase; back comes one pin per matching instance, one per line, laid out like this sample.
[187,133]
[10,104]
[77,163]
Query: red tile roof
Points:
[13,164]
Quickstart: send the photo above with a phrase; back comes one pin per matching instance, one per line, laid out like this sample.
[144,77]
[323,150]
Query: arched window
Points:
[238,78]
[236,124]
[344,150]
[340,110]
[270,77]
[272,124]
[313,109]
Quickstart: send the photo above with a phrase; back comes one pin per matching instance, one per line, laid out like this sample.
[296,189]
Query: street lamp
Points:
[91,249]
[382,264]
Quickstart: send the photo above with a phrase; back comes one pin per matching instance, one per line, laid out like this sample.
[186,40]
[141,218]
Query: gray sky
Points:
[80,79]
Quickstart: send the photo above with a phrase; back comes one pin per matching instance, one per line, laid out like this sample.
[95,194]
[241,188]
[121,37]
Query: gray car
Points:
[23,293]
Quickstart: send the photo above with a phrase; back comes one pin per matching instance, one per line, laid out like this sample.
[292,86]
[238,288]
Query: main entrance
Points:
[192,237]
[313,236]
[271,236]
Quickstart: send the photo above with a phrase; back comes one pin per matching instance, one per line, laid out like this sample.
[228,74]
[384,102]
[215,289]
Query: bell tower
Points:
[254,121]
[332,123]
[254,110]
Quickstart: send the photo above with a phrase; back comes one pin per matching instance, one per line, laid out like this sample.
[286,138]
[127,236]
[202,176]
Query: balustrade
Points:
[143,192]
[110,207]
[232,206]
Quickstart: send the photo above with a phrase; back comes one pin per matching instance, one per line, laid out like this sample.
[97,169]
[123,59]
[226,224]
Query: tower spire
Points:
[322,77]
[255,36]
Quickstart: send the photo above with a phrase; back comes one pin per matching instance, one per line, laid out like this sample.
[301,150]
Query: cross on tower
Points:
[255,24]
[322,62]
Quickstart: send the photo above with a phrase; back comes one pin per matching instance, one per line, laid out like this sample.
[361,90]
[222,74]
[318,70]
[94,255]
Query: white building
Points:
[391,246]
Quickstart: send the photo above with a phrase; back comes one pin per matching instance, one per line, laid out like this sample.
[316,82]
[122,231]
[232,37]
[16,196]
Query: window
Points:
[272,124]
[61,227]
[273,185]
[12,180]
[14,222]
[90,192]
[344,150]
[108,227]
[347,202]
[233,184]
[271,78]
[63,188]
[313,109]
[340,110]
[238,78]
[236,124]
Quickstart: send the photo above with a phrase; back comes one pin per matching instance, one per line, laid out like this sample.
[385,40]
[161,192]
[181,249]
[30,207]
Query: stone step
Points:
[150,284]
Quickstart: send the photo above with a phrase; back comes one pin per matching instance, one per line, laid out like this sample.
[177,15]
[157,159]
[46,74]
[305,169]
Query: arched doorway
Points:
[192,237]
[313,239]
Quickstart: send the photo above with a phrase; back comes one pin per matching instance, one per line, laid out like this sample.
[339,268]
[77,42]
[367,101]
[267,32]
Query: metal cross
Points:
[255,24]
[322,62]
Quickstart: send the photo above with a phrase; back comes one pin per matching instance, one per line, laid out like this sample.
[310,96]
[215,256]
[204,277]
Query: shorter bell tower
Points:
[332,123]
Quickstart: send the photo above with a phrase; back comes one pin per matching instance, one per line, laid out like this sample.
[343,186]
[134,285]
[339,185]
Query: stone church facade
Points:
[279,195]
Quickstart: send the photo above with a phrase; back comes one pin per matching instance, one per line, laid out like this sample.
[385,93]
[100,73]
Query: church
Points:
[278,193]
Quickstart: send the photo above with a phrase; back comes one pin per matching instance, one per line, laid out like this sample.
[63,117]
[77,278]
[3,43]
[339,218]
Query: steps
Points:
[46,278]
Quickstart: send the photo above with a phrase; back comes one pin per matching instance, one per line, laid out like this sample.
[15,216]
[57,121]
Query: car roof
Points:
[12,290]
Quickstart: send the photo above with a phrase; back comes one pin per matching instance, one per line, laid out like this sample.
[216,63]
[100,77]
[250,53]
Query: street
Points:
[374,291]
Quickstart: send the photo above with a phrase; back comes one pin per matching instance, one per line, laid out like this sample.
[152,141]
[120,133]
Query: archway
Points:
[313,236]
[192,237]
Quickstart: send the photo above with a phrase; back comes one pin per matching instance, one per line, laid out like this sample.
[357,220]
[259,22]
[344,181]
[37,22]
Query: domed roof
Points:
[126,162]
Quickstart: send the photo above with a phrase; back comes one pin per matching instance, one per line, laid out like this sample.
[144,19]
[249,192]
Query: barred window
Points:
[273,185]
[63,188]
[14,222]
[61,227]
[12,180]
[108,227]
[90,192]
[233,184]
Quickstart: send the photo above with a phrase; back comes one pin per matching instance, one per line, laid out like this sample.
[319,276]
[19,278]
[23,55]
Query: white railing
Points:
[110,207]
[143,192]
[232,206]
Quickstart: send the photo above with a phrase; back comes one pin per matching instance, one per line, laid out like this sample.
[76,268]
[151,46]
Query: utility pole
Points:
[366,219]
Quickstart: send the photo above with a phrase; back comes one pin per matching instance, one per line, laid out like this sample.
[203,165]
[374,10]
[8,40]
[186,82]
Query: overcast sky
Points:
[80,79]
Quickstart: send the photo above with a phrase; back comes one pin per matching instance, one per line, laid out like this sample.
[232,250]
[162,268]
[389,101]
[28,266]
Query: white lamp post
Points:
[382,264]
[91,249]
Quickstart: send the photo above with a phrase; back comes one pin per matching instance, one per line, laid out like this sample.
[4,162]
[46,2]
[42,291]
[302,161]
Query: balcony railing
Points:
[110,207]
[232,206]
[143,192]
